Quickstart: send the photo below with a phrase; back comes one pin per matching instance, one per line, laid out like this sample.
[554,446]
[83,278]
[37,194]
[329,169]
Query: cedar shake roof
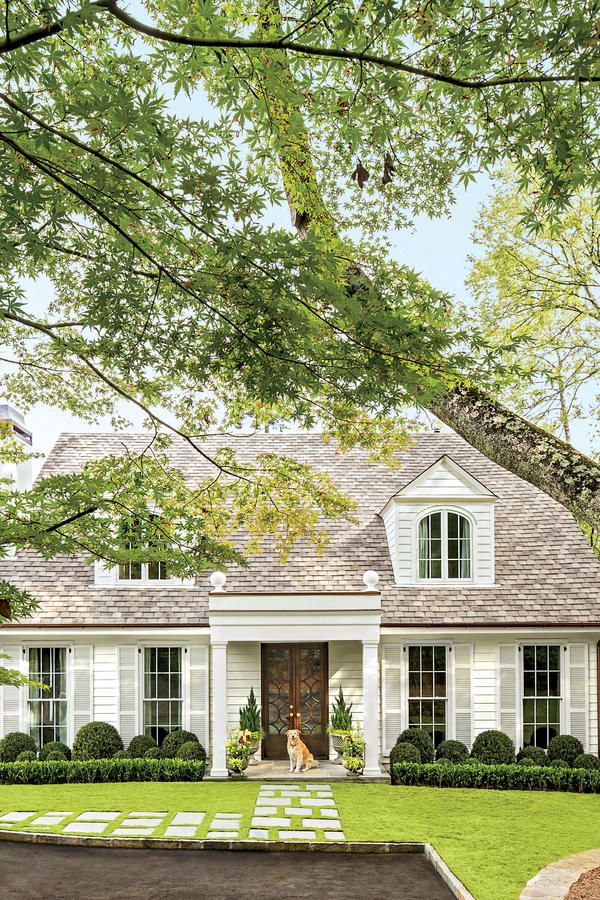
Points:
[546,574]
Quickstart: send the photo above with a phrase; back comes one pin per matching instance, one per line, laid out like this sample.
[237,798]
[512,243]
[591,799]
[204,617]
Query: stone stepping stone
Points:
[276,801]
[17,816]
[298,811]
[259,833]
[140,823]
[188,818]
[52,812]
[266,811]
[324,794]
[48,820]
[228,815]
[285,787]
[85,827]
[133,832]
[270,822]
[219,835]
[334,835]
[97,816]
[321,823]
[297,835]
[314,802]
[145,815]
[328,813]
[181,831]
[320,787]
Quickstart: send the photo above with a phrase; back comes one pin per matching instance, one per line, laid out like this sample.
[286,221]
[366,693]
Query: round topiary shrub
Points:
[139,744]
[154,753]
[175,739]
[559,763]
[493,748]
[404,751]
[97,740]
[55,745]
[14,743]
[444,761]
[422,742]
[56,755]
[537,754]
[191,750]
[527,761]
[563,746]
[26,756]
[586,761]
[453,751]
[121,754]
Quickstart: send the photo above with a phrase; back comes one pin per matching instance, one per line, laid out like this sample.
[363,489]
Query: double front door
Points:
[294,695]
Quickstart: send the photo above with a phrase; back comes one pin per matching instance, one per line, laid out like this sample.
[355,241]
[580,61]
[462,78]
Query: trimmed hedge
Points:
[16,742]
[96,771]
[174,740]
[454,751]
[421,740]
[499,778]
[191,750]
[493,748]
[566,747]
[96,740]
[586,761]
[139,744]
[403,751]
[537,755]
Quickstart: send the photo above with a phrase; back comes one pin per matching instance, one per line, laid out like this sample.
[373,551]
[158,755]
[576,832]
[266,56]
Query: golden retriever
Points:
[301,759]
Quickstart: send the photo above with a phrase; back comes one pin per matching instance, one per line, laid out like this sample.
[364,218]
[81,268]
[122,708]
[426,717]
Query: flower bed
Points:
[101,770]
[498,777]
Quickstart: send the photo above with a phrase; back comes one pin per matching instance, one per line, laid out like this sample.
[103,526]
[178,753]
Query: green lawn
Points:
[493,840]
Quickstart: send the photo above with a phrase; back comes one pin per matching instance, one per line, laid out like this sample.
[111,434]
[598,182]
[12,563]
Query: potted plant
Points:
[353,748]
[340,724]
[250,724]
[237,753]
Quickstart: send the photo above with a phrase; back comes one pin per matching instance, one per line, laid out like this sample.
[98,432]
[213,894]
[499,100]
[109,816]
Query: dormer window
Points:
[445,546]
[135,537]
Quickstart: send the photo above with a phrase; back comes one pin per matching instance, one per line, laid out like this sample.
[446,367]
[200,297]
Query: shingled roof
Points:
[546,574]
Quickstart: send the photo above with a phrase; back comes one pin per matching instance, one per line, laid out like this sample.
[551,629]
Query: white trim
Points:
[185,679]
[70,673]
[444,510]
[410,494]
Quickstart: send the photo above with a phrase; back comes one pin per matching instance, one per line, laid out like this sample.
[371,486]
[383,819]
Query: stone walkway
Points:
[284,812]
[554,882]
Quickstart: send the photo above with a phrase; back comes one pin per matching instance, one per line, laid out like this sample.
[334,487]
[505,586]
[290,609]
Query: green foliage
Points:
[139,744]
[250,715]
[455,751]
[566,747]
[493,747]
[422,742]
[537,755]
[121,754]
[586,761]
[404,751]
[559,763]
[154,753]
[191,750]
[96,740]
[174,740]
[26,756]
[515,777]
[13,743]
[341,714]
[100,770]
[55,745]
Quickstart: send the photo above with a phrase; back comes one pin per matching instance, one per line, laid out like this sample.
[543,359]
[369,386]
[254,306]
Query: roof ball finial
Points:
[371,580]
[218,579]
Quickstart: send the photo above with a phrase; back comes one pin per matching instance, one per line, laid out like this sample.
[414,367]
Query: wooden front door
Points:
[294,695]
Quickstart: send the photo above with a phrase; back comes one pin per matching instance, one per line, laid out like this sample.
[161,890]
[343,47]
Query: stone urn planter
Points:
[252,749]
[237,772]
[337,740]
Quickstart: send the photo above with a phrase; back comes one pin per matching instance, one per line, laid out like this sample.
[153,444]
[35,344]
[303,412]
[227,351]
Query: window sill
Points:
[145,585]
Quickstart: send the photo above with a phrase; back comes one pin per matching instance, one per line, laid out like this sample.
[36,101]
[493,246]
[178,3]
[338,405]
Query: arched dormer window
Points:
[445,547]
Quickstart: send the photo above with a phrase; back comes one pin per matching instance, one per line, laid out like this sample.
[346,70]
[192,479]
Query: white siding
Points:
[484,686]
[106,684]
[345,669]
[243,672]
[593,697]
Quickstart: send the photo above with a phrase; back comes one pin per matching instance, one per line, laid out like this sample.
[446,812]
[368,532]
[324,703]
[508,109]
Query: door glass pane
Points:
[278,679]
[310,690]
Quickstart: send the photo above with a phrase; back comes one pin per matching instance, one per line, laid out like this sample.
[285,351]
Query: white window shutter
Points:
[128,693]
[577,717]
[198,692]
[508,690]
[391,694]
[82,686]
[104,576]
[463,663]
[11,698]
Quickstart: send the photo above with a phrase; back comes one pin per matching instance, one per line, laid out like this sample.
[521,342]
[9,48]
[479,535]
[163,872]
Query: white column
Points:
[219,709]
[371,706]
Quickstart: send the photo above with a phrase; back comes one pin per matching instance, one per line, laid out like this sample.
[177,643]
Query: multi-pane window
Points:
[427,695]
[163,693]
[541,694]
[48,706]
[445,546]
[143,535]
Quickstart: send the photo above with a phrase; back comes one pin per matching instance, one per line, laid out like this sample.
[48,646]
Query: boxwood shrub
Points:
[96,740]
[421,740]
[26,756]
[455,751]
[55,745]
[191,750]
[154,753]
[13,743]
[174,740]
[586,761]
[499,778]
[493,748]
[563,746]
[139,744]
[96,771]
[537,755]
[404,752]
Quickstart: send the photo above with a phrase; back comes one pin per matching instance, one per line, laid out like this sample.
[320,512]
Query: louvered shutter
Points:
[391,694]
[82,686]
[463,662]
[128,692]
[198,692]
[12,697]
[577,657]
[508,689]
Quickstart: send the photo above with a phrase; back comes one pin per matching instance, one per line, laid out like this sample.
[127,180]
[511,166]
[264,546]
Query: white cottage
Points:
[462,599]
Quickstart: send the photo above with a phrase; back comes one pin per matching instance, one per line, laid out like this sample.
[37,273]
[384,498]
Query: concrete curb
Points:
[71,840]
[555,881]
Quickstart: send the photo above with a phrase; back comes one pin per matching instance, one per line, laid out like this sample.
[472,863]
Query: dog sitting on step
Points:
[301,759]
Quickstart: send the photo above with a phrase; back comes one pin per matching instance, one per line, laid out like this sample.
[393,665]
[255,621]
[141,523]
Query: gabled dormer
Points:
[440,528]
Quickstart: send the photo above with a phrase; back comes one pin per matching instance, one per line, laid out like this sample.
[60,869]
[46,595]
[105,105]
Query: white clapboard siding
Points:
[578,692]
[243,673]
[391,694]
[198,692]
[508,689]
[463,705]
[128,692]
[83,709]
[11,698]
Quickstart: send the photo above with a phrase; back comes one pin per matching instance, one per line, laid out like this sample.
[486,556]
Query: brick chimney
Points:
[21,474]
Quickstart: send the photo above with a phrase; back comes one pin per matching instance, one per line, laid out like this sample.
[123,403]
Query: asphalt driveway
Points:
[46,872]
